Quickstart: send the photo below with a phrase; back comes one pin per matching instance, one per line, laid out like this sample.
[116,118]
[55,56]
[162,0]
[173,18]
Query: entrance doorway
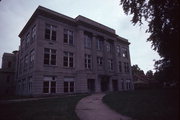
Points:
[91,85]
[104,83]
[115,85]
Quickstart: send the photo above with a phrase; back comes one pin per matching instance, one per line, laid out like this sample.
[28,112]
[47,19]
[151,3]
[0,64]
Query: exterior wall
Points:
[30,82]
[7,83]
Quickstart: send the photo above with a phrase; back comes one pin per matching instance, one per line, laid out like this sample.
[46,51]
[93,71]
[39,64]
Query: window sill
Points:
[50,66]
[68,68]
[66,44]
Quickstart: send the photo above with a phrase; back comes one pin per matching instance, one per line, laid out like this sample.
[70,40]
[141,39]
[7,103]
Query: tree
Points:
[137,73]
[162,17]
[149,75]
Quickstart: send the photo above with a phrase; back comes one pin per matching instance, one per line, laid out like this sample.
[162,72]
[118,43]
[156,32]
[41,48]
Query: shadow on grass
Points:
[149,104]
[47,109]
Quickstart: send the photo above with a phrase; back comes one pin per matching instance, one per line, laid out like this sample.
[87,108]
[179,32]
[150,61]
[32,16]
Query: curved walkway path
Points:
[92,108]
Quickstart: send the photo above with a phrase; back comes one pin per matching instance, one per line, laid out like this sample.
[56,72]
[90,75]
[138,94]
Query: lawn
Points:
[149,104]
[46,109]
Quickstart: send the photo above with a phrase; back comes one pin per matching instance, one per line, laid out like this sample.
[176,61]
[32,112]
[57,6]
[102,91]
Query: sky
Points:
[14,14]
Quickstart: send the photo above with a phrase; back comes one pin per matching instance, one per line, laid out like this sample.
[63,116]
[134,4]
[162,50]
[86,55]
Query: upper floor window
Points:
[68,59]
[50,32]
[99,60]
[110,62]
[88,61]
[109,47]
[32,57]
[25,62]
[33,35]
[120,66]
[126,67]
[9,64]
[23,43]
[99,43]
[49,56]
[87,40]
[124,53]
[118,50]
[68,37]
[28,39]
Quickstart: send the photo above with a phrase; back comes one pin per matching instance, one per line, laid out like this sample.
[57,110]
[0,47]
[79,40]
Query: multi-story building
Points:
[59,54]
[7,74]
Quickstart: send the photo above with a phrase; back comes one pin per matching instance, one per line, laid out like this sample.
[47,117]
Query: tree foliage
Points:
[162,17]
[137,73]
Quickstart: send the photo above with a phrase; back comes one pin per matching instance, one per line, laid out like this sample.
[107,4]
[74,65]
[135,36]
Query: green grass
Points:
[47,109]
[150,104]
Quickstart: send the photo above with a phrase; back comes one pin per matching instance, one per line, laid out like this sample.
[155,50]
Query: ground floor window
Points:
[128,84]
[49,84]
[68,85]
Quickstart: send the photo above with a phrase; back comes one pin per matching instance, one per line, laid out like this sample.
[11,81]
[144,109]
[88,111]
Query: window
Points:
[28,39]
[33,33]
[109,47]
[88,61]
[30,84]
[68,59]
[49,84]
[126,67]
[50,32]
[32,57]
[21,65]
[99,60]
[87,40]
[46,87]
[68,37]
[49,56]
[120,66]
[9,64]
[99,43]
[118,50]
[124,53]
[68,85]
[128,84]
[110,62]
[8,79]
[25,62]
[23,43]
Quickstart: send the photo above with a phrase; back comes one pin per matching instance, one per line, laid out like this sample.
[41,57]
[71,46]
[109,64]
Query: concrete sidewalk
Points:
[92,108]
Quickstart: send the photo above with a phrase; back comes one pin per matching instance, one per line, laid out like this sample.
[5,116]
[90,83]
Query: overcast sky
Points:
[14,14]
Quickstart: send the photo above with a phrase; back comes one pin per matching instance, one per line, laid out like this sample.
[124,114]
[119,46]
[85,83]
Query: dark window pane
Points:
[45,87]
[53,84]
[71,40]
[54,35]
[71,86]
[65,86]
[47,34]
[53,87]
[65,38]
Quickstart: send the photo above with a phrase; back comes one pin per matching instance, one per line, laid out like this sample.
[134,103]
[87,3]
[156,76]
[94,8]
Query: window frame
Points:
[50,54]
[70,37]
[52,29]
[50,80]
[88,61]
[70,59]
[88,40]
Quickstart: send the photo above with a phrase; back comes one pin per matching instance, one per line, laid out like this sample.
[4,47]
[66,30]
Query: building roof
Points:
[79,20]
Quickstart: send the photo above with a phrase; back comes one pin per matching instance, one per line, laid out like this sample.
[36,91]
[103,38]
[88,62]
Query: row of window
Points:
[68,60]
[27,62]
[25,86]
[51,32]
[29,38]
[49,84]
